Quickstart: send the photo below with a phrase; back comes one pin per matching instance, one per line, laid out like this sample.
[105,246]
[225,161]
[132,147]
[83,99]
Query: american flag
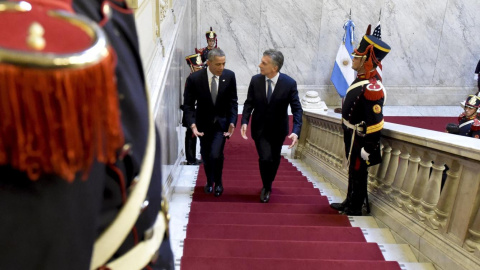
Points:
[377,32]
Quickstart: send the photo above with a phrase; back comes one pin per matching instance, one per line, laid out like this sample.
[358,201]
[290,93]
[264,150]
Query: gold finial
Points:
[211,35]
[35,38]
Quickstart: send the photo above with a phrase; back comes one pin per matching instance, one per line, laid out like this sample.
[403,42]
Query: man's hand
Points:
[364,154]
[231,128]
[195,131]
[294,138]
[243,131]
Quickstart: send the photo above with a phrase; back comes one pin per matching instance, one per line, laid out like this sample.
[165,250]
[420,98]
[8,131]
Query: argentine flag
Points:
[343,74]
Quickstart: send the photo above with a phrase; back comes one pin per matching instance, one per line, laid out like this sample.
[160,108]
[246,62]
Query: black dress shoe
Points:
[339,206]
[351,212]
[218,191]
[265,195]
[208,189]
[196,162]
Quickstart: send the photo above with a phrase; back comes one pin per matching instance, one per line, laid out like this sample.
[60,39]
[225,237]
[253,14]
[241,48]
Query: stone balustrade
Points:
[425,190]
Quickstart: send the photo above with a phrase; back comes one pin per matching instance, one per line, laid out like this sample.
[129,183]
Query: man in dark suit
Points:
[269,95]
[214,91]
[53,210]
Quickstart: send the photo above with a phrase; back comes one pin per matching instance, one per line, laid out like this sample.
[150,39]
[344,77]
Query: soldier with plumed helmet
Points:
[468,122]
[212,43]
[362,121]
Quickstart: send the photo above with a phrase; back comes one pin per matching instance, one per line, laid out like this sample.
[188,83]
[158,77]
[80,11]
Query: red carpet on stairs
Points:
[296,230]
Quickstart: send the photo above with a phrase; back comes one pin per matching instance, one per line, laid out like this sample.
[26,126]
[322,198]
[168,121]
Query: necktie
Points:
[269,91]
[214,89]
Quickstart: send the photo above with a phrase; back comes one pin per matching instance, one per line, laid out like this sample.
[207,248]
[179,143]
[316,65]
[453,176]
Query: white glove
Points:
[475,77]
[364,154]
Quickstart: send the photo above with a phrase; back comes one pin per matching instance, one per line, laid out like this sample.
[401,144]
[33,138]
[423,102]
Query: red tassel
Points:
[58,121]
[373,95]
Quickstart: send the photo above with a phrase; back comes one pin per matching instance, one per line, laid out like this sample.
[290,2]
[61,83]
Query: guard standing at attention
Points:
[194,61]
[211,37]
[363,121]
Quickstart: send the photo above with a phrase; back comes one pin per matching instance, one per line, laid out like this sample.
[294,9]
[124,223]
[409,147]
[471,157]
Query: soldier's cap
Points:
[60,109]
[210,34]
[380,48]
[472,101]
[194,60]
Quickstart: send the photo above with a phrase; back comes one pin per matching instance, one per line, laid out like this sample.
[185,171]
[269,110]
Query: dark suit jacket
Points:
[271,119]
[206,114]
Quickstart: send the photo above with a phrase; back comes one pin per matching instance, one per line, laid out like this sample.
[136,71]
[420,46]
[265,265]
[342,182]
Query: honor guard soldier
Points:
[468,122]
[194,61]
[80,184]
[363,121]
[211,44]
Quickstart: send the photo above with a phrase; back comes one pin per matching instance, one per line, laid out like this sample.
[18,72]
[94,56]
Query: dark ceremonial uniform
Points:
[204,51]
[469,127]
[193,61]
[119,25]
[362,122]
[190,142]
[51,217]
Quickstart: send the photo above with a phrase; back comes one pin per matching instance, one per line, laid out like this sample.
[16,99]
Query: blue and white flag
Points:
[343,74]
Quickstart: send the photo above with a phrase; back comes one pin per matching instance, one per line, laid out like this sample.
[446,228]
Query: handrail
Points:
[411,185]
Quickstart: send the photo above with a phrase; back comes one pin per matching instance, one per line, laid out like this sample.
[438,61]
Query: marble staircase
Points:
[392,248]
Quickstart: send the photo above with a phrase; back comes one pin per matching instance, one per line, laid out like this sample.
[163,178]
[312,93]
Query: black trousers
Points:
[190,146]
[357,180]
[211,147]
[268,159]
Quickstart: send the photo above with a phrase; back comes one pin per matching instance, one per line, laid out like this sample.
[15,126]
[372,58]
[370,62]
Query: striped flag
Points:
[378,34]
[343,74]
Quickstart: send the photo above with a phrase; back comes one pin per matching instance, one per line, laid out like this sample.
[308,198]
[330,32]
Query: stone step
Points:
[398,252]
[379,235]
[416,266]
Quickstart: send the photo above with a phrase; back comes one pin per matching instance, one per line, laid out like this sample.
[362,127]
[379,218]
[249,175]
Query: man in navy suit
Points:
[214,90]
[269,95]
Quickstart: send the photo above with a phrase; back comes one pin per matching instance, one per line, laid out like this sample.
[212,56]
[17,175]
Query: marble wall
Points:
[433,55]
[166,71]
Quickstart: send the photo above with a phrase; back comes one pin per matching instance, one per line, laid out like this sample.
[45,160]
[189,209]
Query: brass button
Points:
[126,150]
[144,205]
